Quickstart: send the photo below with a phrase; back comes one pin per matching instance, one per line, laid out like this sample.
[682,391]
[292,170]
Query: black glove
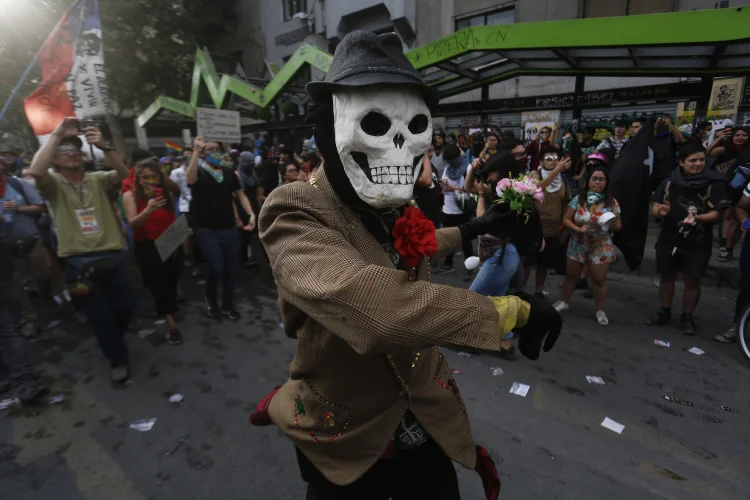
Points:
[543,322]
[498,219]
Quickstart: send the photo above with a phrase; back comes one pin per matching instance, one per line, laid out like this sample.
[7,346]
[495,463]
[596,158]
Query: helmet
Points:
[598,155]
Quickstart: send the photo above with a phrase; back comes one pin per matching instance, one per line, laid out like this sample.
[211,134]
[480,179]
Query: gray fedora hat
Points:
[363,59]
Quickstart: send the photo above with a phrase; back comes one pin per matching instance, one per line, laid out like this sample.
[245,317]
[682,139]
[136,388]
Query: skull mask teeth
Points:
[381,137]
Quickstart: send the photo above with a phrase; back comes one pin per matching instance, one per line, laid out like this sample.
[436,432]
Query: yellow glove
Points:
[513,312]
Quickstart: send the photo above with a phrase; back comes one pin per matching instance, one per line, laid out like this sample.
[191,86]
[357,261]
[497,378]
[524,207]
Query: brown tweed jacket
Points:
[367,337]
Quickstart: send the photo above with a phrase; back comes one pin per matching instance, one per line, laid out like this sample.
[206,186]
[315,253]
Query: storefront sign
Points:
[670,92]
[726,94]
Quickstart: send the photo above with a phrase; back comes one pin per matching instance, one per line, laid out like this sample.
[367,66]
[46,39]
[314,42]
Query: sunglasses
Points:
[550,158]
[519,156]
[67,151]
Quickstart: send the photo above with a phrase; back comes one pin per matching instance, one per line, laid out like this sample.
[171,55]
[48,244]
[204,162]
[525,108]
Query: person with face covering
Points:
[370,403]
[453,179]
[150,210]
[689,204]
[215,186]
[591,217]
[729,157]
[556,197]
[88,234]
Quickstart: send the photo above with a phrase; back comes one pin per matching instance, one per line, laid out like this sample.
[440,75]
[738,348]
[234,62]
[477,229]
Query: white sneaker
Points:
[601,318]
[561,306]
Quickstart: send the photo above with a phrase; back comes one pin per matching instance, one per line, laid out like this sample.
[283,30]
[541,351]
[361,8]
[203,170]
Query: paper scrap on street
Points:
[176,398]
[456,371]
[143,425]
[160,321]
[7,403]
[696,351]
[595,380]
[56,399]
[464,354]
[661,343]
[731,410]
[612,425]
[142,334]
[678,401]
[520,389]
[496,371]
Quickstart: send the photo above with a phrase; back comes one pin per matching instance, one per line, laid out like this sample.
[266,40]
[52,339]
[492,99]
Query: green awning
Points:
[689,44]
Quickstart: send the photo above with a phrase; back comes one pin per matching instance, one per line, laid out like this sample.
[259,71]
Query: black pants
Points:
[451,220]
[15,360]
[424,473]
[161,278]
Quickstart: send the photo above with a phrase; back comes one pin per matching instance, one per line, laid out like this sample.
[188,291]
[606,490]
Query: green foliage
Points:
[149,46]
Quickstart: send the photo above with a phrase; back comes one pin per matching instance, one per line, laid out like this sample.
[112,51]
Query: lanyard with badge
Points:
[86,216]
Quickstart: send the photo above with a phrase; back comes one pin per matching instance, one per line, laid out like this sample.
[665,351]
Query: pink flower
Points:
[520,187]
[502,186]
[538,197]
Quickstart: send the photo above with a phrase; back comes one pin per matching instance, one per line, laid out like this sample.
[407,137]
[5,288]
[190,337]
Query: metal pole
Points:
[18,87]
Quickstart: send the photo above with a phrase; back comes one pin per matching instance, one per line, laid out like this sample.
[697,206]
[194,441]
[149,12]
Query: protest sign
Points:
[171,239]
[218,125]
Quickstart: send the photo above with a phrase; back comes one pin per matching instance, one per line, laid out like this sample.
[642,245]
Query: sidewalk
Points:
[720,274]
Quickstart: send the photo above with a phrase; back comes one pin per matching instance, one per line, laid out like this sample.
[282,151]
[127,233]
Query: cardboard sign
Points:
[218,124]
[171,239]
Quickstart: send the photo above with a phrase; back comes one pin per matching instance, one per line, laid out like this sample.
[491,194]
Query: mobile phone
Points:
[158,193]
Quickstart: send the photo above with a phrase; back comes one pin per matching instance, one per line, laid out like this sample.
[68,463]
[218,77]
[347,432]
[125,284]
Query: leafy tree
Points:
[149,48]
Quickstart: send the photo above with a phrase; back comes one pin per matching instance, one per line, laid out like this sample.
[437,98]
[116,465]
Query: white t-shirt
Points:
[179,177]
[438,162]
[450,206]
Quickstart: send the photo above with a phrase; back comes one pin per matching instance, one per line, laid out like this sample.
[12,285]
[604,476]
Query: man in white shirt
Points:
[179,177]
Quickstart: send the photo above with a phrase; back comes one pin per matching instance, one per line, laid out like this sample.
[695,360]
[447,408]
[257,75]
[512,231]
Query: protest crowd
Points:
[55,202]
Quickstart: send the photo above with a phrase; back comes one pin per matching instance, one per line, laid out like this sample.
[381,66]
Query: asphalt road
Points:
[548,445]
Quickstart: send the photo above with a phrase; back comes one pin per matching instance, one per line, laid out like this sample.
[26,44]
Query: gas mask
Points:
[381,137]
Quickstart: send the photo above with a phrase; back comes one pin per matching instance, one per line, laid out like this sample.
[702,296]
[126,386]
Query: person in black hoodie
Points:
[689,202]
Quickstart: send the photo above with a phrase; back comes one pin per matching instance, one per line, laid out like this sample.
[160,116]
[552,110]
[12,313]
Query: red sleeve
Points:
[129,182]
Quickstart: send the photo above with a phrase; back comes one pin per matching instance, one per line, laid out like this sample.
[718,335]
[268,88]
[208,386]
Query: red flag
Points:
[50,102]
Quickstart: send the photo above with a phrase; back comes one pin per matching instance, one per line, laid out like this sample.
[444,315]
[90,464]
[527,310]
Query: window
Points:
[504,16]
[292,7]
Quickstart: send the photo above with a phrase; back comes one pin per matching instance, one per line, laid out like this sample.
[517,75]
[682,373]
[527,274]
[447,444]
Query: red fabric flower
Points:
[414,236]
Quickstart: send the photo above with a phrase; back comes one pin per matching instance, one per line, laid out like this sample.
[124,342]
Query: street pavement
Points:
[547,445]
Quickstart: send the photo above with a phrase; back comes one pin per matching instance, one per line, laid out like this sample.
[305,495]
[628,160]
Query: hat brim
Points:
[321,91]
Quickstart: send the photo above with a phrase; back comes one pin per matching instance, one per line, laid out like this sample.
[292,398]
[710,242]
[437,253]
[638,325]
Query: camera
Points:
[479,173]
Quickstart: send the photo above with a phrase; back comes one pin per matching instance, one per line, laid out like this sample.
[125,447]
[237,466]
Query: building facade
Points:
[272,30]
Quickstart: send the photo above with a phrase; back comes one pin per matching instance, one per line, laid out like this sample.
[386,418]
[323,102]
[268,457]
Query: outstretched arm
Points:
[373,308]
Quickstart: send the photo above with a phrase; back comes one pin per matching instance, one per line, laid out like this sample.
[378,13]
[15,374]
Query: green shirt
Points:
[84,219]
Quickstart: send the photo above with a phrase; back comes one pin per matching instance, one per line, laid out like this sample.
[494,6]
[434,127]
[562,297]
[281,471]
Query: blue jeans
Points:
[743,297]
[220,249]
[495,275]
[15,360]
[109,305]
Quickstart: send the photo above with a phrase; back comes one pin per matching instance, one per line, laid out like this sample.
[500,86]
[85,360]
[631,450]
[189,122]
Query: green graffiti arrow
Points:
[218,87]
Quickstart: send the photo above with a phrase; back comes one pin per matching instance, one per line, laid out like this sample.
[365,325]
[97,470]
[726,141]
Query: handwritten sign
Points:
[218,124]
[171,239]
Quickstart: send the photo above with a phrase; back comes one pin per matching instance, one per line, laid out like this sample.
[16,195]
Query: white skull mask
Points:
[381,136]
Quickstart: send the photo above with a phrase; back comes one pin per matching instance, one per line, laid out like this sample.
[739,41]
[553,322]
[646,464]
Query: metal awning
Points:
[691,44]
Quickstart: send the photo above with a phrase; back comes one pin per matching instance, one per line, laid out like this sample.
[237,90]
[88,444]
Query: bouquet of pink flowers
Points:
[521,194]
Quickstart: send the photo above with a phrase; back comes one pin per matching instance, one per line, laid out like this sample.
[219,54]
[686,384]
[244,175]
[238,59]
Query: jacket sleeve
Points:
[373,308]
[448,240]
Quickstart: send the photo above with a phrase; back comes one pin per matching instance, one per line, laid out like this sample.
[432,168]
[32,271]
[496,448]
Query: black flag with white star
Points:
[630,185]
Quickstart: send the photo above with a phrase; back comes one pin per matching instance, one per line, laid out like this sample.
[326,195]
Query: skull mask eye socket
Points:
[375,124]
[418,124]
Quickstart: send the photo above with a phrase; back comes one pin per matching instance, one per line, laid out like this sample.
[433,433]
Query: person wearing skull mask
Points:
[370,403]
